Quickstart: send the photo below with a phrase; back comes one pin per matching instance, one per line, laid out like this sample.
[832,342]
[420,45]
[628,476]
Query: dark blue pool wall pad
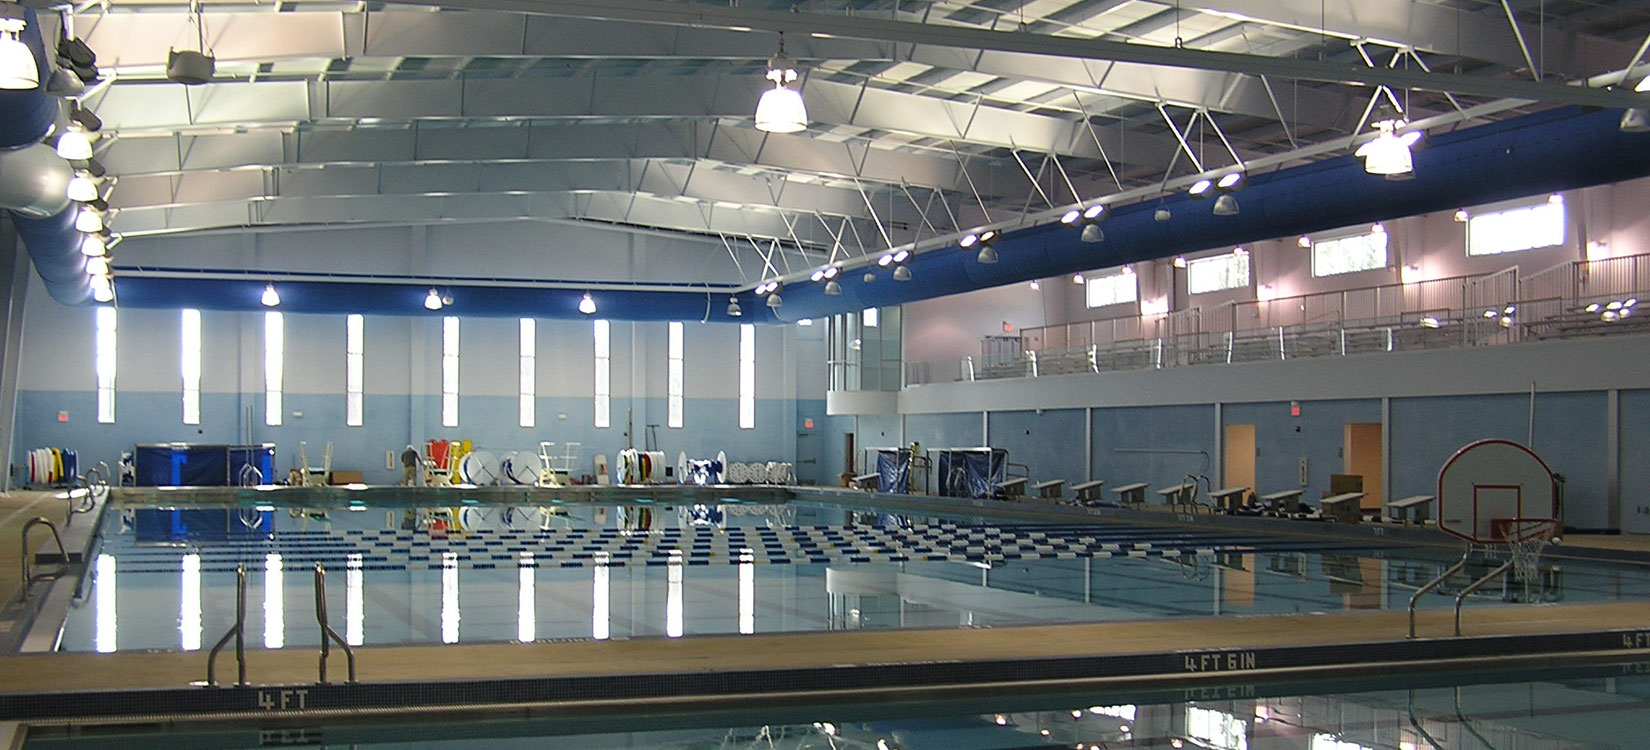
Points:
[195,465]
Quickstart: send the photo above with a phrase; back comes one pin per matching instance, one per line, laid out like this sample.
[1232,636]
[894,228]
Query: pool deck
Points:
[864,664]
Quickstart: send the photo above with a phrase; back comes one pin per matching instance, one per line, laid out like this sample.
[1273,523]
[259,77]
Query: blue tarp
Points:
[894,471]
[192,465]
[970,472]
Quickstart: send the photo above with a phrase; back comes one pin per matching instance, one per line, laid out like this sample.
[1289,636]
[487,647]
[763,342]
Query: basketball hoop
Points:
[1525,538]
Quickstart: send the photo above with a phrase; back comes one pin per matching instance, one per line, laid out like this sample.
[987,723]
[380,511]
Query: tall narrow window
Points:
[104,350]
[355,344]
[673,407]
[529,354]
[603,395]
[189,362]
[747,376]
[274,355]
[449,371]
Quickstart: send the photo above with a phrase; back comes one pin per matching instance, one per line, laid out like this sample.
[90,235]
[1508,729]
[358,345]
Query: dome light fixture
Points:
[18,69]
[270,298]
[733,307]
[81,187]
[587,305]
[1226,205]
[987,254]
[902,272]
[780,110]
[89,220]
[432,301]
[774,301]
[94,245]
[73,144]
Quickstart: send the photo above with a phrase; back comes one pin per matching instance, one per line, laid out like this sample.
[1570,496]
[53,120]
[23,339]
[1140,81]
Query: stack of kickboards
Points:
[52,465]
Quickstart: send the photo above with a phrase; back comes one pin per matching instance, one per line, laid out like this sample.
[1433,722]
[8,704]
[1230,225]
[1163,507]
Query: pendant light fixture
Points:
[733,307]
[432,301]
[192,67]
[780,110]
[18,69]
[587,305]
[270,298]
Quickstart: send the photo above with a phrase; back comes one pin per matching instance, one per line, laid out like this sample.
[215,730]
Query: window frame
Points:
[1506,213]
[602,336]
[747,376]
[1334,242]
[450,327]
[527,373]
[274,367]
[355,344]
[104,353]
[1226,258]
[675,384]
[1111,281]
[189,363]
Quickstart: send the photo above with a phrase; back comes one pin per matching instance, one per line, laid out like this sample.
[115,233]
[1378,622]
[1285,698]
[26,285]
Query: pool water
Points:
[1579,708]
[164,578]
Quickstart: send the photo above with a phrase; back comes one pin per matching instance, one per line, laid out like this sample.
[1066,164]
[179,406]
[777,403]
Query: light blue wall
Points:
[1158,445]
[957,430]
[1635,461]
[1279,448]
[1049,443]
[1570,435]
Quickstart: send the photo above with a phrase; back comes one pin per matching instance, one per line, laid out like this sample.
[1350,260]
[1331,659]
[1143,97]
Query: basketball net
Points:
[1525,539]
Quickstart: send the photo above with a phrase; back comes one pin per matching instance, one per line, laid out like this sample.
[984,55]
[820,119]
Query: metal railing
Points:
[30,577]
[327,633]
[1572,299]
[1461,598]
[1415,598]
[236,631]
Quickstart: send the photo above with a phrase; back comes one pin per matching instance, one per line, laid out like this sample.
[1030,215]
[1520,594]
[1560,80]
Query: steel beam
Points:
[877,29]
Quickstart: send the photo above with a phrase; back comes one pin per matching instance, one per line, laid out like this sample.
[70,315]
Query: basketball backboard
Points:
[1490,490]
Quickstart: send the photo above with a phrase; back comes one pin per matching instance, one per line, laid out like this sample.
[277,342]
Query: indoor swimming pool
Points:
[163,578]
[1578,708]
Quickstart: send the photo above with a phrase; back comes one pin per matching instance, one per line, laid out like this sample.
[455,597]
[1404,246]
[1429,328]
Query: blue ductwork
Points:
[52,241]
[54,246]
[1560,149]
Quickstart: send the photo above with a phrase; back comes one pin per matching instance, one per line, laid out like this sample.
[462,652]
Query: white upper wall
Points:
[526,250]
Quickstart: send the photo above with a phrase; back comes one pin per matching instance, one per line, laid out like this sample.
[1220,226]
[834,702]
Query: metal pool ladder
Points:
[30,577]
[1432,584]
[236,631]
[327,633]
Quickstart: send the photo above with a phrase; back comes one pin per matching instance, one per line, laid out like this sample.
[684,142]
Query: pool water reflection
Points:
[164,578]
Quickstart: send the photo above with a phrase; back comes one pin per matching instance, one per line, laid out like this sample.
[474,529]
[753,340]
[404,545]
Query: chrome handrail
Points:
[1432,584]
[63,554]
[1461,598]
[237,631]
[327,633]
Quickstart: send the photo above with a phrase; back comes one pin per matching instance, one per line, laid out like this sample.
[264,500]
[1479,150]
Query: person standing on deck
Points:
[409,466]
